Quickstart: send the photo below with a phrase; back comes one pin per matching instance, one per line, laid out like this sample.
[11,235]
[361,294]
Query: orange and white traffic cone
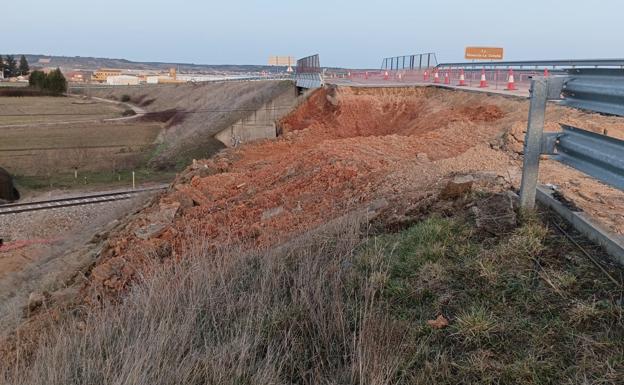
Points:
[462,78]
[546,72]
[426,76]
[436,77]
[386,75]
[483,83]
[447,78]
[511,83]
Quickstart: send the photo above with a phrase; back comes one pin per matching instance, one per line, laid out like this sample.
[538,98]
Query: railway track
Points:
[15,208]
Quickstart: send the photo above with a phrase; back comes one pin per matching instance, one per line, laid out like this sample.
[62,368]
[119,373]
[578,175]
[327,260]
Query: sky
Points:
[346,33]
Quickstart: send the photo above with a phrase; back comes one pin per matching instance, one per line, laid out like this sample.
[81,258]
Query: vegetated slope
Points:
[341,152]
[194,113]
[441,302]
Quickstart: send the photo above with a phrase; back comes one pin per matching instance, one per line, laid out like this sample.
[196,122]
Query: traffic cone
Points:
[436,77]
[483,83]
[426,76]
[511,83]
[447,78]
[462,78]
[386,75]
[546,72]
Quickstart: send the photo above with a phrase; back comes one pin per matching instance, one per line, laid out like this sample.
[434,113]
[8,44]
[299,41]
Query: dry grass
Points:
[33,110]
[43,150]
[339,307]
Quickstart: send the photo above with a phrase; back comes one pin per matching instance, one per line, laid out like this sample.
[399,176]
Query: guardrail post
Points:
[533,142]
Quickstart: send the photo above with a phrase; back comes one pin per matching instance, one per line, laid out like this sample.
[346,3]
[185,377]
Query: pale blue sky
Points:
[346,33]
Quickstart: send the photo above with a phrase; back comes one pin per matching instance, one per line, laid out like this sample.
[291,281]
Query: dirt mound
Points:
[380,112]
[340,150]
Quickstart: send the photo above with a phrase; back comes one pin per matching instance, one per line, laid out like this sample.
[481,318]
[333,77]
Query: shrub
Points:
[54,82]
[37,79]
[125,98]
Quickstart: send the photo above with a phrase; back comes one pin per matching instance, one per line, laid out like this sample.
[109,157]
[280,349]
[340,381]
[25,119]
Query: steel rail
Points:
[15,208]
[582,63]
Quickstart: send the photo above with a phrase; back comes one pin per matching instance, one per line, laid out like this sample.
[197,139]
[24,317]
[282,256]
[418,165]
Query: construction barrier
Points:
[495,79]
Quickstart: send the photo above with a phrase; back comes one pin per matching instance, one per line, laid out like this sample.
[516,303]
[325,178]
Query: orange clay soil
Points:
[340,150]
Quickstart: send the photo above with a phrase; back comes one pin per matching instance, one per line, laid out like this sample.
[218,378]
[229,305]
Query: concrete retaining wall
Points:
[260,124]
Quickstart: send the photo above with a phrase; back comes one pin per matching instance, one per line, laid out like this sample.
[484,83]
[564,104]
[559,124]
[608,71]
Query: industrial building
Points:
[101,75]
[122,80]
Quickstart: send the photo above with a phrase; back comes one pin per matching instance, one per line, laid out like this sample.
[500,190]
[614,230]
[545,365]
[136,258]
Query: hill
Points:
[93,63]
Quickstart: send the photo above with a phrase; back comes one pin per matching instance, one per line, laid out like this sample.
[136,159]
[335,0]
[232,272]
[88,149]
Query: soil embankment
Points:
[342,150]
[194,113]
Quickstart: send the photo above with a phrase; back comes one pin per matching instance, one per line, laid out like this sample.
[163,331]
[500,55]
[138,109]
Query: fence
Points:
[309,64]
[411,62]
[597,155]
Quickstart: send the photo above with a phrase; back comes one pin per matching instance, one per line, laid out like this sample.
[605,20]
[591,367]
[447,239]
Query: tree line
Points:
[53,82]
[10,67]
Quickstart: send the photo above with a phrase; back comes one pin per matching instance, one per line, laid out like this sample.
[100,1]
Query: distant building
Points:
[44,60]
[122,80]
[171,78]
[78,76]
[101,75]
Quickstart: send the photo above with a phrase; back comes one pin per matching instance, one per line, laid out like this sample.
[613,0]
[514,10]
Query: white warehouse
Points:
[122,80]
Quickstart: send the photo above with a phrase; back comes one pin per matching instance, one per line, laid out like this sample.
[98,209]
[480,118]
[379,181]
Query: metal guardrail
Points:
[411,62]
[309,73]
[595,90]
[539,64]
[309,81]
[597,155]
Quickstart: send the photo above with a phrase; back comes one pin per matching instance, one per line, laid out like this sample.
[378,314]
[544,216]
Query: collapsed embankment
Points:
[342,150]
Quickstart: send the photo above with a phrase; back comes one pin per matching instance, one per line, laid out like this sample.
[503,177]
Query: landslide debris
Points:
[340,150]
[343,150]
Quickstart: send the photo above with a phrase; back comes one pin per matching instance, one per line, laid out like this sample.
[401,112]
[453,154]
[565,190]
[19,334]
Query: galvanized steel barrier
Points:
[309,73]
[597,155]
